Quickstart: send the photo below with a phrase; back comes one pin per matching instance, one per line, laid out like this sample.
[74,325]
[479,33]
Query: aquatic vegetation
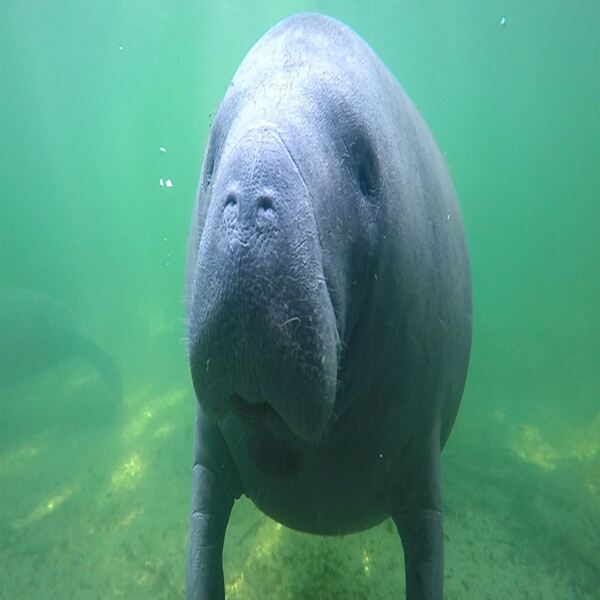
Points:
[128,474]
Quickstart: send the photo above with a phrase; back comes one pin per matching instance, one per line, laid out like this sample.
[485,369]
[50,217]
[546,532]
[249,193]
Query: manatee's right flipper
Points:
[215,486]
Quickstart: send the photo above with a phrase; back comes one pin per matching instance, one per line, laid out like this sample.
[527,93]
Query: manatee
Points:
[37,332]
[328,304]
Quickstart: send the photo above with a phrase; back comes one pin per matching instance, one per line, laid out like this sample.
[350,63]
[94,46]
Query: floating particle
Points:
[120,48]
[162,183]
[503,21]
[162,149]
[448,217]
[169,183]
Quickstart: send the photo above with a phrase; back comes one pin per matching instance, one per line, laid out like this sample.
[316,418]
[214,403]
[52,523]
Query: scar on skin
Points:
[290,320]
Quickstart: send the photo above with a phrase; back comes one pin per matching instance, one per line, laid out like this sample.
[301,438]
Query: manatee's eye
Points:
[209,165]
[366,168]
[213,151]
[363,180]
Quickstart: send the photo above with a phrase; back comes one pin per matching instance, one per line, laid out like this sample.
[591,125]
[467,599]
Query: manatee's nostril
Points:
[231,200]
[265,204]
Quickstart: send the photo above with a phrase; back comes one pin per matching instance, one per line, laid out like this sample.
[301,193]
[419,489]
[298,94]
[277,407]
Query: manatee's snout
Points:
[261,323]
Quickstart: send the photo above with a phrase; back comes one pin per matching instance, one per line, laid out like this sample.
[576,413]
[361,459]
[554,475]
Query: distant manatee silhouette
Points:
[38,332]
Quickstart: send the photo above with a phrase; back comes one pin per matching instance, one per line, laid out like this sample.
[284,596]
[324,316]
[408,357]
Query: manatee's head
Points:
[278,249]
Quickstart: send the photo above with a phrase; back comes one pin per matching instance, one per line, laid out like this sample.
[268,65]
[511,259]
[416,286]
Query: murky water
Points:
[104,113]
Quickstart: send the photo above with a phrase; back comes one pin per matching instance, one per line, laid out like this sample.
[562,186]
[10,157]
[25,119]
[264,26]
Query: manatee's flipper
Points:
[215,486]
[419,519]
[87,350]
[422,537]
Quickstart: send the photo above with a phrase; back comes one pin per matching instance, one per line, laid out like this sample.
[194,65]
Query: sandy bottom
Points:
[94,502]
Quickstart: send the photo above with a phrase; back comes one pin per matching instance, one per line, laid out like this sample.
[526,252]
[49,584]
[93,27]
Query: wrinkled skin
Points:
[329,304]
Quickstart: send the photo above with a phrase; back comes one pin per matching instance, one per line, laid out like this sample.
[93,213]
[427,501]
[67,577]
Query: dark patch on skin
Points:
[274,458]
[267,448]
[254,410]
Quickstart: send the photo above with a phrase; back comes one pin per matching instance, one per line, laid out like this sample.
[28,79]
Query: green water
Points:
[94,498]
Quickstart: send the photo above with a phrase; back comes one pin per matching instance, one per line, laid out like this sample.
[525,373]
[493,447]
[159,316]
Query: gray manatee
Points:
[37,332]
[328,304]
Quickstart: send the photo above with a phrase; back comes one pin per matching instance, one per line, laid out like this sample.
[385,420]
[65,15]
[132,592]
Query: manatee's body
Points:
[37,333]
[329,304]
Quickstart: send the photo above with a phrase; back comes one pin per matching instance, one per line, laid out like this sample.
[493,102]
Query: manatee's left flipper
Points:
[419,520]
[422,537]
[215,486]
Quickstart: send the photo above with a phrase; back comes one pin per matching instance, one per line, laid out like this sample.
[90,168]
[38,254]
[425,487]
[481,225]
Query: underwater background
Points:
[104,114]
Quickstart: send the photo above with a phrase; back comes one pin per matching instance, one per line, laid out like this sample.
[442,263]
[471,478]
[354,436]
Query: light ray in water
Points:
[267,539]
[48,505]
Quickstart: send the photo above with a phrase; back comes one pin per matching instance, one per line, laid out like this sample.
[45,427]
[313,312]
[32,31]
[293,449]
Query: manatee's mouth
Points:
[252,410]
